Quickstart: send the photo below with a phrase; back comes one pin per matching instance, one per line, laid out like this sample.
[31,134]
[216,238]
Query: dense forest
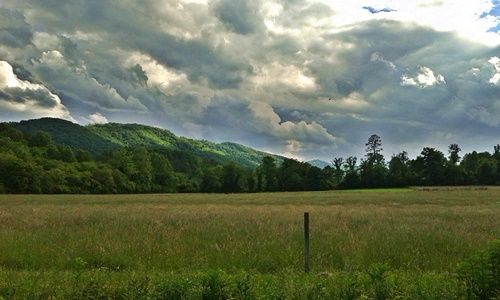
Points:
[32,162]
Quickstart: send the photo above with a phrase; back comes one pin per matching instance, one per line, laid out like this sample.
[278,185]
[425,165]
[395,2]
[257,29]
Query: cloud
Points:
[424,78]
[14,31]
[263,72]
[240,16]
[97,118]
[20,98]
[495,62]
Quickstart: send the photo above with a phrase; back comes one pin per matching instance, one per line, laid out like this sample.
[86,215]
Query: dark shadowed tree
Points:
[233,179]
[269,175]
[454,151]
[373,170]
[351,177]
[373,147]
[338,174]
[211,181]
[430,166]
[40,139]
[399,173]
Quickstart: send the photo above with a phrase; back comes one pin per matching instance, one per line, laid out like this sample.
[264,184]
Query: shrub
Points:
[481,273]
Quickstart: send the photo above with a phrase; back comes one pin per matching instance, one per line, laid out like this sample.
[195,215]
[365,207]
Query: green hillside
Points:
[100,138]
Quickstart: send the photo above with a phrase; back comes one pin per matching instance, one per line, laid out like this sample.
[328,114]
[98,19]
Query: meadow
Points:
[381,244]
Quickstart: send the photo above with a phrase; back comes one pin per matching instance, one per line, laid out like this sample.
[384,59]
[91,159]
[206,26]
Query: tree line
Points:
[431,168]
[33,163]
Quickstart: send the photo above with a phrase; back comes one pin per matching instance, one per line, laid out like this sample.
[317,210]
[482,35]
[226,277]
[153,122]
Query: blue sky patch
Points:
[378,10]
[495,29]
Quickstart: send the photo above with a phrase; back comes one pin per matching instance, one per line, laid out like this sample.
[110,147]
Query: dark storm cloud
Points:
[14,31]
[458,107]
[240,16]
[118,23]
[277,75]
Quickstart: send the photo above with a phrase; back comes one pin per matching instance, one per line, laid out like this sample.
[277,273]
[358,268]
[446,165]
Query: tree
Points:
[373,170]
[430,165]
[143,176]
[373,147]
[40,139]
[338,163]
[162,173]
[291,177]
[269,174]
[453,151]
[7,130]
[232,179]
[211,181]
[351,178]
[398,170]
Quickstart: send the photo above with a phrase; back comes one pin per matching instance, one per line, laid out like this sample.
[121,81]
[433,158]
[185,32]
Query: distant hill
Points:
[318,163]
[100,138]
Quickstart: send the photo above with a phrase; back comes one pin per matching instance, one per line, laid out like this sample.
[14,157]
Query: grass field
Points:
[110,241]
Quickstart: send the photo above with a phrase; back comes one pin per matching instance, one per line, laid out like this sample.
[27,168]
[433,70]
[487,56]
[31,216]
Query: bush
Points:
[481,273]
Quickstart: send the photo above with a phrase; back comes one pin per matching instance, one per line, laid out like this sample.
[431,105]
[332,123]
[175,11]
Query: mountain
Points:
[107,137]
[318,163]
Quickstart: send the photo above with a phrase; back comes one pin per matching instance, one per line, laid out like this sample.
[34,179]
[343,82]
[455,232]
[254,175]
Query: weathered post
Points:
[307,254]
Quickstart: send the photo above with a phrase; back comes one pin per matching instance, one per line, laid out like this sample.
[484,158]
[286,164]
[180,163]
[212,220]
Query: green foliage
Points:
[481,273]
[57,156]
[217,285]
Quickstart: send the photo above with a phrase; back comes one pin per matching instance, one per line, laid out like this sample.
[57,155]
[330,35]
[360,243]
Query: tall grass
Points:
[406,230]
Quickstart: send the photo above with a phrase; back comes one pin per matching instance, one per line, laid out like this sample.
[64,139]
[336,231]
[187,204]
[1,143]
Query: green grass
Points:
[415,234]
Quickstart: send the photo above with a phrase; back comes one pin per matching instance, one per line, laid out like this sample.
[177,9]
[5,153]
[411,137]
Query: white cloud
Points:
[270,122]
[23,98]
[158,75]
[289,75]
[495,61]
[377,57]
[97,118]
[424,78]
[460,16]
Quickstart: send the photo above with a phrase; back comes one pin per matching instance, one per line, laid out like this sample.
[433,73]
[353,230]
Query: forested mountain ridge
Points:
[50,156]
[100,138]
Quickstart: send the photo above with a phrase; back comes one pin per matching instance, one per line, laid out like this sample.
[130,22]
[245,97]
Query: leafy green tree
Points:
[399,173]
[430,166]
[66,153]
[473,162]
[454,174]
[8,131]
[163,173]
[291,177]
[40,139]
[487,172]
[104,181]
[83,155]
[121,159]
[143,175]
[337,164]
[19,176]
[269,173]
[211,182]
[232,179]
[454,151]
[351,177]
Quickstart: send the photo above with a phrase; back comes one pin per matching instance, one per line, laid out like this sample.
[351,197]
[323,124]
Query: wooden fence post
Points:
[307,254]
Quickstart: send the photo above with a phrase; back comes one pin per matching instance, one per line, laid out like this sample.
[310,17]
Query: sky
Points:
[301,78]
